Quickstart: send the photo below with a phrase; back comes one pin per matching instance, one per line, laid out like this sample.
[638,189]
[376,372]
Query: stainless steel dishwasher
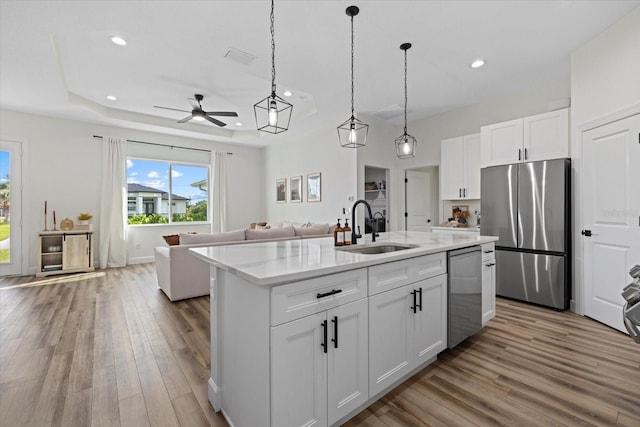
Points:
[465,294]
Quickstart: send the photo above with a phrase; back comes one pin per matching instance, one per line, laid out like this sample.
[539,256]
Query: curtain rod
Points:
[163,145]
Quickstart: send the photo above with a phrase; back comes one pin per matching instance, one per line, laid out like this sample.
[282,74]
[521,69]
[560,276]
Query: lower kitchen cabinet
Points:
[407,326]
[488,282]
[319,366]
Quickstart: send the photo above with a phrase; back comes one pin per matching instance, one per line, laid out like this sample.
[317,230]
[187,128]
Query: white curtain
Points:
[113,215]
[219,186]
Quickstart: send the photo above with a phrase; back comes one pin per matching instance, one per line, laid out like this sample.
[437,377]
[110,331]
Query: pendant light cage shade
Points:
[405,143]
[406,146]
[353,133]
[273,114]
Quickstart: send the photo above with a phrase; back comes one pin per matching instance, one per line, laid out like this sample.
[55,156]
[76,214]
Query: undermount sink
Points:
[380,248]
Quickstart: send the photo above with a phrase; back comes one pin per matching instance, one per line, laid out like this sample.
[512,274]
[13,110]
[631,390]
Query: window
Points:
[161,192]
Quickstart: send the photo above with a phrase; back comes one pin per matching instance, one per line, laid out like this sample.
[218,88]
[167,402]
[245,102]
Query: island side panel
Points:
[215,393]
[244,347]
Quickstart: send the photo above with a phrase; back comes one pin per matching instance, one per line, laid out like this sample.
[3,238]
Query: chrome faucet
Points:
[354,235]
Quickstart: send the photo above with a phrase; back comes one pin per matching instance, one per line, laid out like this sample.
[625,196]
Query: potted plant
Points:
[84,218]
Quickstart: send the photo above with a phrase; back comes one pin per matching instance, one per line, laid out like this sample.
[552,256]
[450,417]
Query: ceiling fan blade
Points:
[186,119]
[223,113]
[174,109]
[215,121]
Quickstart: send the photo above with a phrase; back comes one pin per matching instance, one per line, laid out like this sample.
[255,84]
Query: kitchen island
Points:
[305,334]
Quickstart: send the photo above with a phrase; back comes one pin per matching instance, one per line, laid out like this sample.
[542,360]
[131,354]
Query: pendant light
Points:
[353,132]
[405,143]
[273,113]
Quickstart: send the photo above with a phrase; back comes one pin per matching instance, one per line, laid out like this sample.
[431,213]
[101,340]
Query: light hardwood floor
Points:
[108,348]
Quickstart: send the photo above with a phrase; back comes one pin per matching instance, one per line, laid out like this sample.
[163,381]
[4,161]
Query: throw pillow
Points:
[172,239]
[312,230]
[223,236]
[270,233]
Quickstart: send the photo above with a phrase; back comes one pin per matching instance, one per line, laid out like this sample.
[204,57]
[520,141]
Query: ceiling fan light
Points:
[477,63]
[119,41]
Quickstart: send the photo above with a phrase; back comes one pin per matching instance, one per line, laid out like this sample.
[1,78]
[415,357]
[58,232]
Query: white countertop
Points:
[271,263]
[441,228]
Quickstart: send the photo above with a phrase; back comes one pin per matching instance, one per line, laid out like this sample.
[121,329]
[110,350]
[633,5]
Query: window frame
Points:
[170,201]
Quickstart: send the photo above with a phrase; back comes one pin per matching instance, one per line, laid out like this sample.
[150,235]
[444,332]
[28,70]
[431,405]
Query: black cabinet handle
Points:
[420,292]
[491,264]
[519,153]
[414,306]
[335,331]
[464,192]
[525,154]
[327,294]
[459,192]
[324,334]
[488,252]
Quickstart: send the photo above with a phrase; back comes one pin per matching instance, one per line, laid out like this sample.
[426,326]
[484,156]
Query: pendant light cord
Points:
[273,53]
[405,92]
[352,115]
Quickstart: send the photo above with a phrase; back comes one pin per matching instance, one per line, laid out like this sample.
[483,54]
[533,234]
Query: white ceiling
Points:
[56,57]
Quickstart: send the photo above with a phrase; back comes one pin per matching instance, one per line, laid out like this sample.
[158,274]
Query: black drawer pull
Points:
[324,335]
[420,292]
[414,306]
[488,252]
[490,264]
[328,294]
[335,331]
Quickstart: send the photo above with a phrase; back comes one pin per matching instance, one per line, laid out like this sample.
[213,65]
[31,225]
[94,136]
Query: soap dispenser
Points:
[346,230]
[338,235]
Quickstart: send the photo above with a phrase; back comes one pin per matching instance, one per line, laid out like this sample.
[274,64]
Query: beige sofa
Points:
[182,275]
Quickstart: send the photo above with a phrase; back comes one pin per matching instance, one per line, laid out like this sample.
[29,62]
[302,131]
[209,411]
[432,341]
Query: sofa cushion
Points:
[172,239]
[269,233]
[223,236]
[312,230]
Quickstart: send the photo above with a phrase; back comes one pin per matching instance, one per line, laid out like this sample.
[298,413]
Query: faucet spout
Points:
[354,235]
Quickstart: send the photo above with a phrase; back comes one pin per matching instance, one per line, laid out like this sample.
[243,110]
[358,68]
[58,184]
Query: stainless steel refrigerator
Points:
[527,205]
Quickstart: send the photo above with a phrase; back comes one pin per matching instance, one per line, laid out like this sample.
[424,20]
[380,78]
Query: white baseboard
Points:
[140,260]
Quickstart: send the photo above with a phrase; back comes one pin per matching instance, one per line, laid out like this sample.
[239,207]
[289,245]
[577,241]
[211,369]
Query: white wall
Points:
[64,169]
[316,151]
[604,80]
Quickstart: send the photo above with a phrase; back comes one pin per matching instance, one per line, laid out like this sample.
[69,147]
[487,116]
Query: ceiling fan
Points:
[197,113]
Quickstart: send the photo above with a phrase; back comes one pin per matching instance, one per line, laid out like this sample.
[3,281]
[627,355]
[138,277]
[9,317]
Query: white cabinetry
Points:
[319,365]
[64,252]
[540,137]
[460,168]
[407,324]
[488,282]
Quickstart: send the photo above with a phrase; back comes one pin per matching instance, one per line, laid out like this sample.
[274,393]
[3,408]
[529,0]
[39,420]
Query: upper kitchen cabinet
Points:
[540,137]
[460,168]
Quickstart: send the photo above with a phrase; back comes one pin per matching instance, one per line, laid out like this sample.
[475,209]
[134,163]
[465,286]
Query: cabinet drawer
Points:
[299,299]
[488,251]
[392,275]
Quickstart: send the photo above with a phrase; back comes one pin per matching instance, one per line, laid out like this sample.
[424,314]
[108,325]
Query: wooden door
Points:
[471,166]
[419,199]
[390,337]
[430,321]
[348,359]
[75,251]
[451,168]
[546,136]
[298,373]
[500,143]
[611,207]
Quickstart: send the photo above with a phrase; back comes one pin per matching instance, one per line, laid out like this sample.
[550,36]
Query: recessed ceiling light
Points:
[287,93]
[238,123]
[119,41]
[477,63]
[112,98]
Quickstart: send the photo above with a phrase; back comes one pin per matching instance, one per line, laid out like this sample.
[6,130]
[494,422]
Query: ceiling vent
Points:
[390,112]
[239,56]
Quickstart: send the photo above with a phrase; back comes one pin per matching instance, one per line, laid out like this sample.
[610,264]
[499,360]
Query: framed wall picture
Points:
[314,189]
[281,190]
[295,190]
